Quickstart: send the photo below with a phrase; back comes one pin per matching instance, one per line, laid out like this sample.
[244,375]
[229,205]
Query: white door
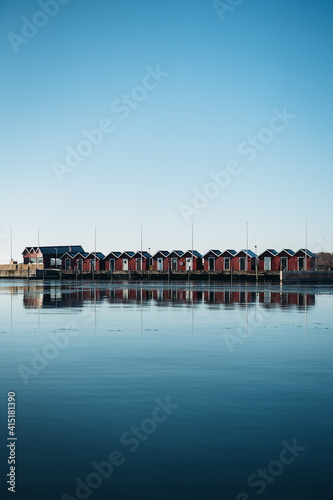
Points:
[160,264]
[188,263]
[125,264]
[174,264]
[267,263]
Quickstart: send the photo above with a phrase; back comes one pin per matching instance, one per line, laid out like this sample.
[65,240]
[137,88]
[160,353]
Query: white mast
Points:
[141,251]
[306,245]
[247,246]
[192,249]
[95,251]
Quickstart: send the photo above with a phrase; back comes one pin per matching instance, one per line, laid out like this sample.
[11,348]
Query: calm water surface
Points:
[204,392]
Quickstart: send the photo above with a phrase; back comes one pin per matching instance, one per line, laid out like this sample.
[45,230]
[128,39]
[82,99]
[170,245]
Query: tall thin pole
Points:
[95,251]
[192,249]
[247,246]
[141,251]
[306,245]
[38,247]
[11,246]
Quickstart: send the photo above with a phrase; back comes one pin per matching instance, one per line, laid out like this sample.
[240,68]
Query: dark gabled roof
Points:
[69,254]
[99,255]
[217,253]
[165,253]
[195,253]
[145,255]
[179,253]
[82,254]
[231,252]
[128,254]
[310,254]
[60,250]
[287,250]
[249,253]
[270,250]
[114,254]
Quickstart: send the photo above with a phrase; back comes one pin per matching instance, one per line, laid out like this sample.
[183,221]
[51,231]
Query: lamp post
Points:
[56,261]
[149,258]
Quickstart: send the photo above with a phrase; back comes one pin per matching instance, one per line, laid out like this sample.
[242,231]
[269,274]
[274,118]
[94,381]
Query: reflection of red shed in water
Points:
[268,261]
[161,295]
[160,261]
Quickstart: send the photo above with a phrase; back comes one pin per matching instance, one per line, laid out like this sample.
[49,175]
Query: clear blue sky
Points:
[221,81]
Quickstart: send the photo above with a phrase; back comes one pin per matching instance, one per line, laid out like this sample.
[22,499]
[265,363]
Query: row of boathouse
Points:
[74,258]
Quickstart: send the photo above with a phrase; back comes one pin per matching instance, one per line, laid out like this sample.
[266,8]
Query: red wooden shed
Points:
[305,260]
[94,262]
[213,261]
[285,260]
[244,260]
[268,261]
[227,257]
[140,261]
[174,260]
[112,262]
[123,260]
[160,260]
[185,261]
